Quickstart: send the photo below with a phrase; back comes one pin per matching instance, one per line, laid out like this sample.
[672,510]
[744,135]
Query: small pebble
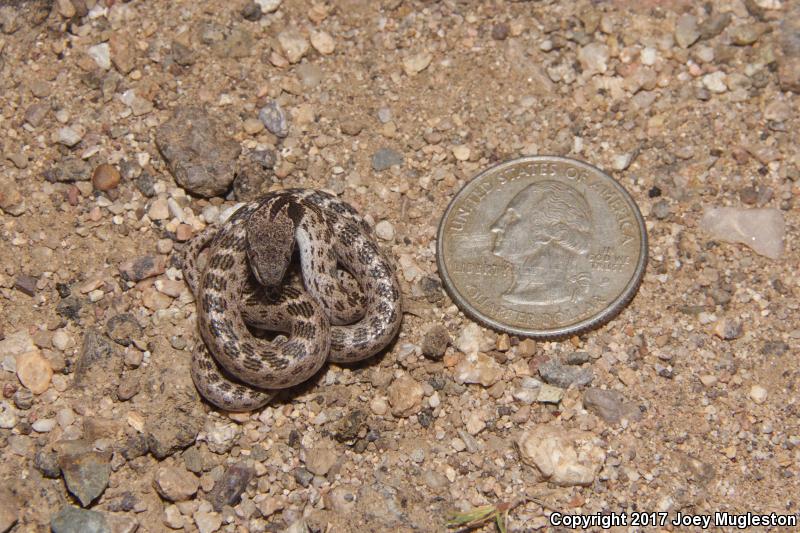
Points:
[142,268]
[435,341]
[475,423]
[294,44]
[70,136]
[648,56]
[23,399]
[565,458]
[207,522]
[34,371]
[416,63]
[686,30]
[75,520]
[175,483]
[323,42]
[715,82]
[385,158]
[269,6]
[728,329]
[44,425]
[500,31]
[8,419]
[351,127]
[384,115]
[661,209]
[478,368]
[321,458]
[405,396]
[385,230]
[164,246]
[101,54]
[252,12]
[26,284]
[274,119]
[379,405]
[173,517]
[760,229]
[461,152]
[86,474]
[158,210]
[105,177]
[253,126]
[202,158]
[65,417]
[62,340]
[594,57]
[758,394]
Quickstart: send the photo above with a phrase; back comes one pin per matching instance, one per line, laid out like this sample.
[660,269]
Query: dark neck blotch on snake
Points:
[344,304]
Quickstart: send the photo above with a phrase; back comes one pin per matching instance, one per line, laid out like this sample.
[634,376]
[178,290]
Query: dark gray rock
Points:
[228,490]
[69,308]
[25,284]
[577,358]
[86,475]
[435,341]
[23,399]
[303,476]
[386,158]
[200,156]
[554,373]
[146,185]
[714,25]
[431,288]
[135,446]
[252,12]
[69,170]
[74,520]
[46,462]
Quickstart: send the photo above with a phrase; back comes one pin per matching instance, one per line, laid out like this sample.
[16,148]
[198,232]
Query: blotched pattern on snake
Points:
[247,281]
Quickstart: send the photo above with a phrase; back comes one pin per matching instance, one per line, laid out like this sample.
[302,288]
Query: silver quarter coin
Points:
[542,247]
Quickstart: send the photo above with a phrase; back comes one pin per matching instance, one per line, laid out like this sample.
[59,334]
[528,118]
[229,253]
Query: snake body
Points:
[343,306]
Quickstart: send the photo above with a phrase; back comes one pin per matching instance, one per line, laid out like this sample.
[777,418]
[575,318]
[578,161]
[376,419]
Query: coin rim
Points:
[609,311]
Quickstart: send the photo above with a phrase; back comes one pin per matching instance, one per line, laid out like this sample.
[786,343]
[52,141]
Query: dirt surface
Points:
[686,403]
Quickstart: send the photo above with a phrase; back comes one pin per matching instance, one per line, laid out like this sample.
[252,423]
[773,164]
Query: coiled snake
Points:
[247,281]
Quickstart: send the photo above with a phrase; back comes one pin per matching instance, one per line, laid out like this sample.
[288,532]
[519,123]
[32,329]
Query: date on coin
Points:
[542,246]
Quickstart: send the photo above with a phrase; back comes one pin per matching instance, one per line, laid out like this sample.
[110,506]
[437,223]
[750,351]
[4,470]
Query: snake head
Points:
[270,244]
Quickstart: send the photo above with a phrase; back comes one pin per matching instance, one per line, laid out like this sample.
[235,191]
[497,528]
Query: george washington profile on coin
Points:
[542,246]
[545,233]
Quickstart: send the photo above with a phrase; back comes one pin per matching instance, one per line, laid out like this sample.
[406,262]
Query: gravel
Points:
[128,135]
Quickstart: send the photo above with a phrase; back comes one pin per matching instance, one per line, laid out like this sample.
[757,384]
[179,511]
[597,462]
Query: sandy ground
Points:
[393,105]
